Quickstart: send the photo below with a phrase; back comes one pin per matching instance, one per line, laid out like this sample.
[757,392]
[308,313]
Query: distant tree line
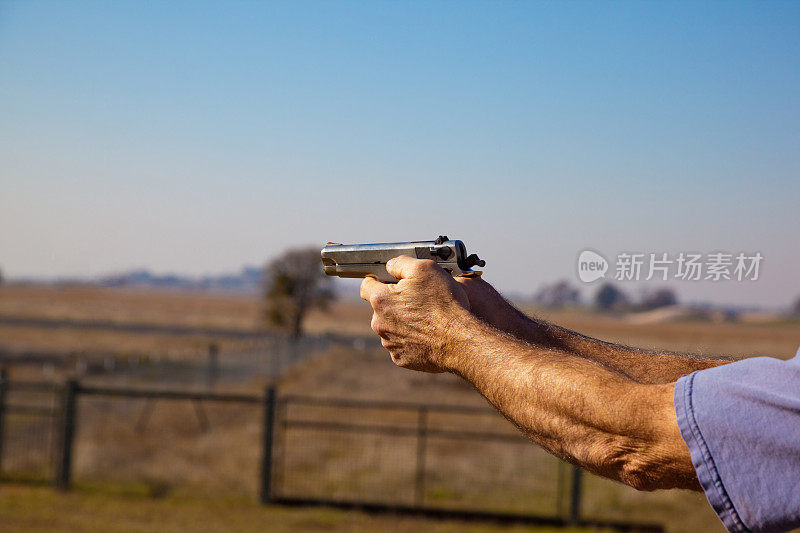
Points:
[559,294]
[607,297]
[610,297]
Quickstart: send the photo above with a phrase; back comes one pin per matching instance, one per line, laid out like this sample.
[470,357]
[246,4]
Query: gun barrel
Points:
[361,260]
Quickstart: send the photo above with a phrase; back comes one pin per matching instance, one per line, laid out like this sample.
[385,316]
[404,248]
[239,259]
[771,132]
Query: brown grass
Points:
[737,339]
[129,305]
[779,339]
[126,508]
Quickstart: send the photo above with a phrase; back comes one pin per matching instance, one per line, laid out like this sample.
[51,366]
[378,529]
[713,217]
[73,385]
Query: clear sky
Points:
[196,137]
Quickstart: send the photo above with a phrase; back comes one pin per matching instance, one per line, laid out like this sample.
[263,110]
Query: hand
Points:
[417,317]
[488,305]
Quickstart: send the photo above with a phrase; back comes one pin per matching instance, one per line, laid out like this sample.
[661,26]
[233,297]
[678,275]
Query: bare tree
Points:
[294,283]
[558,294]
[659,298]
[608,297]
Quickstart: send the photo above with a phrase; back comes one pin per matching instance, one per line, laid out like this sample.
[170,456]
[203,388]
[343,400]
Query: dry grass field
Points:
[778,338]
[178,465]
[63,305]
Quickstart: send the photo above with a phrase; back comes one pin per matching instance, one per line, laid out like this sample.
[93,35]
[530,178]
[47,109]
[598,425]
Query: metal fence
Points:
[221,362]
[433,460]
[29,414]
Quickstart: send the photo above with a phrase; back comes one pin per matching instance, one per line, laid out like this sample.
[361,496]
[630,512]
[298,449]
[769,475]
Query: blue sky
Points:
[196,137]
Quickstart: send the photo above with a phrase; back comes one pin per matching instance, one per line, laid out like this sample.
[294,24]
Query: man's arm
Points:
[575,407]
[640,365]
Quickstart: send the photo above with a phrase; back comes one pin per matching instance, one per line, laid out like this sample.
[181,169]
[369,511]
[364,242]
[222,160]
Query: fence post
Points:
[561,488]
[3,391]
[266,459]
[575,496]
[67,434]
[422,434]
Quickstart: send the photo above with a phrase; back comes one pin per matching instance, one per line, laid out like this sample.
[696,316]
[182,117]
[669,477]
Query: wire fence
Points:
[436,460]
[433,457]
[210,363]
[28,432]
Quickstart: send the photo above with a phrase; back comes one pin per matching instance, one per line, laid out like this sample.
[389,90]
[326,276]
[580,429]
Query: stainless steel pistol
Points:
[361,260]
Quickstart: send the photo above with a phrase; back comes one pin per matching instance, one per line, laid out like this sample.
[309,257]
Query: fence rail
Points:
[166,394]
[340,447]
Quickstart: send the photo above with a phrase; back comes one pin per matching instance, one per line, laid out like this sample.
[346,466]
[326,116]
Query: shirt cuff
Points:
[702,459]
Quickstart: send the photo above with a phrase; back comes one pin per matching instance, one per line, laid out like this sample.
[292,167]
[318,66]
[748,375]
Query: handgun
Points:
[361,260]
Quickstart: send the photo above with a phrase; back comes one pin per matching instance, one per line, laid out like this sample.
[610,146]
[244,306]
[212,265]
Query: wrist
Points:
[461,338]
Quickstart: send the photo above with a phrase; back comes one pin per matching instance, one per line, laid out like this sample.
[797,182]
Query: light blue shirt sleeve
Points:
[741,422]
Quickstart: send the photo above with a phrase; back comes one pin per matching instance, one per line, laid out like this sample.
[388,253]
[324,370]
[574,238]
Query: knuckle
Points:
[379,327]
[425,266]
[399,360]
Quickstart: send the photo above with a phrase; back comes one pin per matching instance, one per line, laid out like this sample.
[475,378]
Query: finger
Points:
[473,286]
[377,326]
[370,287]
[404,267]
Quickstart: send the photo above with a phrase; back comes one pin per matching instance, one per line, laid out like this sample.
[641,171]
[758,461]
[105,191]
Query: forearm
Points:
[576,408]
[644,366]
[641,365]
